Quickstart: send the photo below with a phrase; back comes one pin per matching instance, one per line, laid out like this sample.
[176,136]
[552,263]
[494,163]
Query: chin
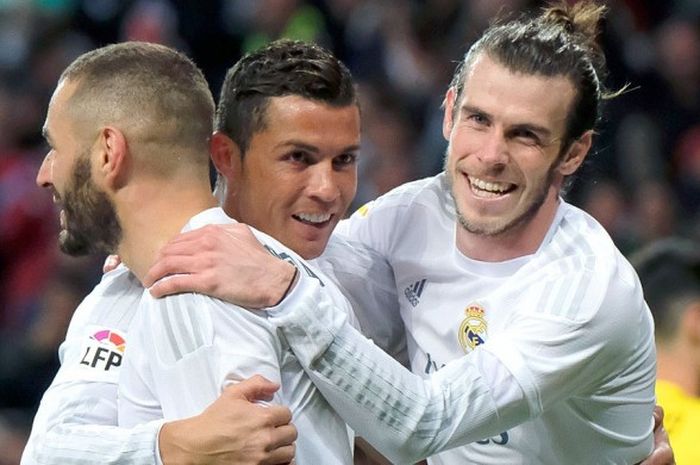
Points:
[311,250]
[310,253]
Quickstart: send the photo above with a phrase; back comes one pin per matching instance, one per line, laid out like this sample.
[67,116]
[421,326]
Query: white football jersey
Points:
[186,348]
[77,419]
[557,347]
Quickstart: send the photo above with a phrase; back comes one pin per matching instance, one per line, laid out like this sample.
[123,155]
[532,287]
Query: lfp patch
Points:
[104,350]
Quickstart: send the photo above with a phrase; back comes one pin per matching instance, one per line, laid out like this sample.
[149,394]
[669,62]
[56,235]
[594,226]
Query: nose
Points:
[494,150]
[43,176]
[322,183]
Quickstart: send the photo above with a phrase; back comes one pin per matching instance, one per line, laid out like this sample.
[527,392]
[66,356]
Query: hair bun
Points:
[582,17]
[559,15]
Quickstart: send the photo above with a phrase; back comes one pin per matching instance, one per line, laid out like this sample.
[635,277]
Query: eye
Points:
[526,136]
[477,119]
[299,156]
[346,159]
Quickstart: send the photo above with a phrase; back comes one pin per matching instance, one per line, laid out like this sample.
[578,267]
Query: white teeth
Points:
[314,217]
[494,187]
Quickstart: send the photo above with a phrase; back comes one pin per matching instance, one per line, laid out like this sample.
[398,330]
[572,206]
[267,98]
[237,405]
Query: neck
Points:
[518,241]
[675,364]
[152,213]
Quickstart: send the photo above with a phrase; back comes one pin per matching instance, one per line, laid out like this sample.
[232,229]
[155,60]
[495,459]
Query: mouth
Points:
[61,211]
[62,219]
[318,220]
[489,189]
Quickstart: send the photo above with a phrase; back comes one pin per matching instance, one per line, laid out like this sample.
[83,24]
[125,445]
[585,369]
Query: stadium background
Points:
[642,182]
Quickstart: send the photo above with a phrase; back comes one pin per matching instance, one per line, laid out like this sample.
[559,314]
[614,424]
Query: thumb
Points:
[254,388]
[658,416]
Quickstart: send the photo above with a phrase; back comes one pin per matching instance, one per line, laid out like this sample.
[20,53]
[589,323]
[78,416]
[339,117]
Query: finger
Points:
[185,247]
[284,435]
[658,416]
[171,265]
[255,388]
[190,236]
[176,284]
[282,455]
[278,415]
[111,262]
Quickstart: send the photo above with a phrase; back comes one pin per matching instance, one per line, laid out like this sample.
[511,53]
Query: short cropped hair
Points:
[158,94]
[282,68]
[669,271]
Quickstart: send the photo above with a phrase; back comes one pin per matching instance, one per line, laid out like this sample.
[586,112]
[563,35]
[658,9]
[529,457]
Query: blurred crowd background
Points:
[642,183]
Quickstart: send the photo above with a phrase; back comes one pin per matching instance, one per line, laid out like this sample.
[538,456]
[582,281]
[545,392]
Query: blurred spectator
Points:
[643,183]
[656,212]
[686,167]
[27,228]
[670,274]
[606,202]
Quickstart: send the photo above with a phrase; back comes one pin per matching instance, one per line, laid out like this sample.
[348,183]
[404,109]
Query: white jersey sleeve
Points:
[404,416]
[76,423]
[407,417]
[367,281]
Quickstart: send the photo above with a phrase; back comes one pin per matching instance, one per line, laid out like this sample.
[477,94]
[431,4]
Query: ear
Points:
[113,159]
[449,105]
[226,156]
[690,322]
[576,154]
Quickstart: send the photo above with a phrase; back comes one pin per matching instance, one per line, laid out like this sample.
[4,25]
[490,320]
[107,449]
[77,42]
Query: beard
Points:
[91,223]
[528,212]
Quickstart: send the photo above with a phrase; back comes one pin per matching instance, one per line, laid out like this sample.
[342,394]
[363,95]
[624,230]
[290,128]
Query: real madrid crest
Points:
[472,331]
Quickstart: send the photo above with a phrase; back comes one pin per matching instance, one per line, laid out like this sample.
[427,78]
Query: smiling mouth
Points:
[489,189]
[313,219]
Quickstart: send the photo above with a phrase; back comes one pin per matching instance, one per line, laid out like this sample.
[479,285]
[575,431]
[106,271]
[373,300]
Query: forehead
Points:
[58,105]
[293,115]
[517,98]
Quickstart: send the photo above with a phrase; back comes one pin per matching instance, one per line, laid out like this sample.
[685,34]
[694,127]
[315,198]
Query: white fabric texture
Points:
[567,325]
[187,347]
[76,423]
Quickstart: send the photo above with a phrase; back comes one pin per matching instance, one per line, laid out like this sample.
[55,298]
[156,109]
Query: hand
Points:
[233,430]
[223,261]
[662,453]
[111,262]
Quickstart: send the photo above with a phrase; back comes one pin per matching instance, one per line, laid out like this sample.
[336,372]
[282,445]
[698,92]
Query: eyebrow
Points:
[541,130]
[313,148]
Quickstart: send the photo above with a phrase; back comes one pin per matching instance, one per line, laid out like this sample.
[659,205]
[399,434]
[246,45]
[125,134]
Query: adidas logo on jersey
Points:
[414,291]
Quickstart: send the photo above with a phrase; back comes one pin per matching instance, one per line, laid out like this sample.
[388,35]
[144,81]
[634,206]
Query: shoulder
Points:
[580,244]
[580,269]
[181,324]
[98,333]
[383,221]
[112,302]
[103,318]
[429,192]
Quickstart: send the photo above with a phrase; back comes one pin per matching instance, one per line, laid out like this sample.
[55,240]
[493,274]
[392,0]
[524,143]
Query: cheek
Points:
[347,185]
[536,173]
[464,142]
